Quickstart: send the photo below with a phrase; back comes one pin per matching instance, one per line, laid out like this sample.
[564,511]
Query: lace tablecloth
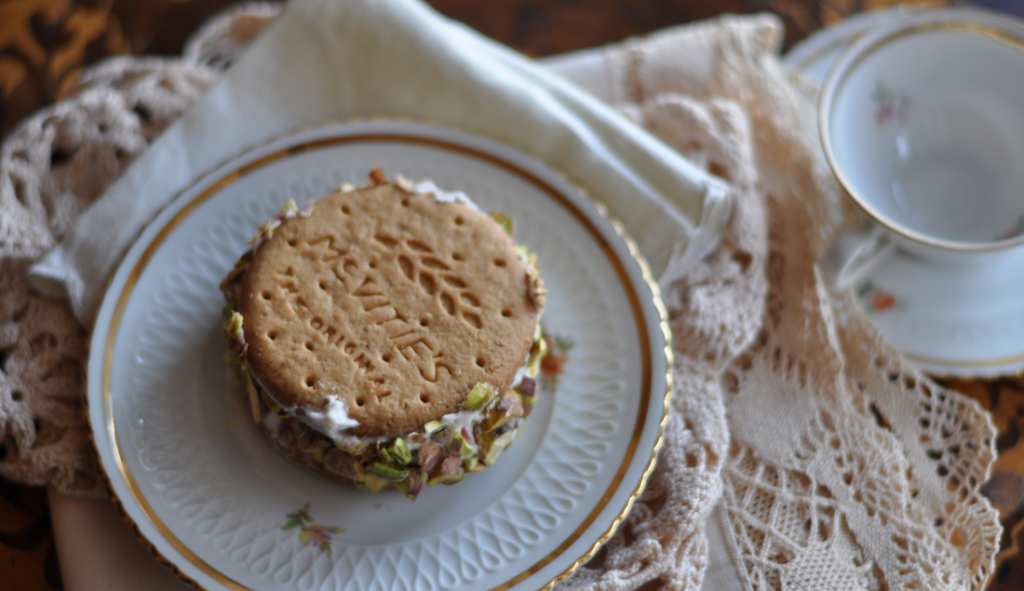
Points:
[846,468]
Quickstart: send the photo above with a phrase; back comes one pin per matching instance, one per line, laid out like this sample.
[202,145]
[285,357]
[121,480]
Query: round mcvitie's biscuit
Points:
[394,302]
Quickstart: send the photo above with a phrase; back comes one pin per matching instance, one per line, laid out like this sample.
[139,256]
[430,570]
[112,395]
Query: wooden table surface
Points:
[45,43]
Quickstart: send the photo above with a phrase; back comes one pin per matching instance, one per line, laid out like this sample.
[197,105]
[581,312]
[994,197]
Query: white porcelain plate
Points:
[211,495]
[960,321]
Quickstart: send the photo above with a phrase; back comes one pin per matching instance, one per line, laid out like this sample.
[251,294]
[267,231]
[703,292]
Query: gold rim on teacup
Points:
[972,21]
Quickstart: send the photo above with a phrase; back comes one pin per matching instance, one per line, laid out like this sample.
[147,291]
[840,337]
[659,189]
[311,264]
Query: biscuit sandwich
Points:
[387,336]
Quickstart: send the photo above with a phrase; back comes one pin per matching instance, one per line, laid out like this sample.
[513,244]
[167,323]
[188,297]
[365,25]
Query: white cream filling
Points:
[523,370]
[272,422]
[333,421]
[428,187]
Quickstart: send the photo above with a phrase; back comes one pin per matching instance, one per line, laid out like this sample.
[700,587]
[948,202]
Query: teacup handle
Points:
[855,254]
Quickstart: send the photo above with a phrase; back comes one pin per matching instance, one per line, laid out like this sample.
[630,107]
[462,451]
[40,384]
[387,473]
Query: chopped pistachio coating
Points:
[498,446]
[537,353]
[479,396]
[447,478]
[374,483]
[399,451]
[465,450]
[504,221]
[388,471]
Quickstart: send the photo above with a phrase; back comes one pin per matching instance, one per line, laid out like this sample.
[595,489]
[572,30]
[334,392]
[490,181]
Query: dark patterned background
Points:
[45,43]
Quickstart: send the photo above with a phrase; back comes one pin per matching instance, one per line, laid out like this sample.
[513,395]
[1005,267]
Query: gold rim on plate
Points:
[620,270]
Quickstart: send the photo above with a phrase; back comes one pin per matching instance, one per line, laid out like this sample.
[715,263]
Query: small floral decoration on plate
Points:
[553,363]
[889,106]
[876,299]
[309,532]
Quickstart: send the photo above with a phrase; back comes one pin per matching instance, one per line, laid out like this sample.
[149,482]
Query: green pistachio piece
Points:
[357,467]
[537,353]
[388,471]
[509,406]
[499,445]
[479,396]
[416,485]
[447,478]
[374,483]
[466,449]
[504,221]
[449,471]
[318,456]
[233,328]
[472,464]
[433,427]
[400,452]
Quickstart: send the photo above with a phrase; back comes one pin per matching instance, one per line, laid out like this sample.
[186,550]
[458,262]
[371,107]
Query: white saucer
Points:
[958,321]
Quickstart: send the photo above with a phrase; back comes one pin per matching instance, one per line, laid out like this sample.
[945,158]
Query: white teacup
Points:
[922,121]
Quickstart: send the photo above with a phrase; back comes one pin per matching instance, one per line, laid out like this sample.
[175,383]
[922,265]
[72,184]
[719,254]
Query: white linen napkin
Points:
[325,60]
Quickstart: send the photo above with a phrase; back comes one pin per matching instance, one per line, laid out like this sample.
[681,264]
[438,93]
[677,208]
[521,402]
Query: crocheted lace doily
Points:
[847,468]
[51,167]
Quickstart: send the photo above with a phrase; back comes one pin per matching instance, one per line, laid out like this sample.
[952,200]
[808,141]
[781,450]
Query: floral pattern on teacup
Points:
[890,107]
[875,299]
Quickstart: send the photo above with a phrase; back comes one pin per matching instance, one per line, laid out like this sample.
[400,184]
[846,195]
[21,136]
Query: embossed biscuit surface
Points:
[397,303]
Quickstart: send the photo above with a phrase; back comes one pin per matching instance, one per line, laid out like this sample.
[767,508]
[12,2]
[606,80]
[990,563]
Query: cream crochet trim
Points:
[51,167]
